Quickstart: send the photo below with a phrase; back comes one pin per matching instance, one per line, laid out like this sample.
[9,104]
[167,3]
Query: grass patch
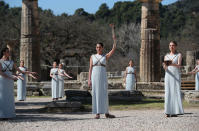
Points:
[143,105]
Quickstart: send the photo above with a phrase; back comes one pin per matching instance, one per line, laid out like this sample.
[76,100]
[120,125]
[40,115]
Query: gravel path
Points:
[133,120]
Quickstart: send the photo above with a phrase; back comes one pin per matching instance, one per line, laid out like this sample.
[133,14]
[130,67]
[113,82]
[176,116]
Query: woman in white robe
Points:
[7,104]
[172,64]
[61,75]
[97,80]
[54,82]
[196,72]
[21,83]
[130,76]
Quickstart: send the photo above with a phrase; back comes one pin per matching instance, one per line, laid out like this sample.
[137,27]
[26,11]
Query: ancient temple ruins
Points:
[30,46]
[150,41]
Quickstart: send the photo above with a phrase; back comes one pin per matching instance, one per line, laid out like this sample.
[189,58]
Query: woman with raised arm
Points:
[54,81]
[172,64]
[97,80]
[61,75]
[196,72]
[21,83]
[7,105]
[130,76]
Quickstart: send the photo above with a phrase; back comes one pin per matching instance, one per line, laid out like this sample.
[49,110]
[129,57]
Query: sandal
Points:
[109,116]
[97,116]
[174,116]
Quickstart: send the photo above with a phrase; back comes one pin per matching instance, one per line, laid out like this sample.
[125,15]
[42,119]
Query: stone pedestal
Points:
[192,97]
[30,46]
[114,96]
[150,42]
[127,96]
[63,107]
[78,95]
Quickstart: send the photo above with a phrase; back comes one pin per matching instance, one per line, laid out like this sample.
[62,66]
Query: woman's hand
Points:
[124,80]
[192,72]
[89,83]
[20,77]
[164,66]
[33,73]
[34,77]
[14,77]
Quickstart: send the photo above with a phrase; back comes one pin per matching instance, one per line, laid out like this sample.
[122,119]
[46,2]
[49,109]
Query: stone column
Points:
[150,42]
[30,46]
[190,61]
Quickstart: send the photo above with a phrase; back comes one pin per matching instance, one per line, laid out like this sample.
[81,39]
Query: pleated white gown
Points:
[55,83]
[173,101]
[130,78]
[61,82]
[99,85]
[197,80]
[21,86]
[7,104]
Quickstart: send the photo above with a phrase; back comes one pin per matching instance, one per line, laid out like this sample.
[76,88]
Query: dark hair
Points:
[131,60]
[102,45]
[174,42]
[3,51]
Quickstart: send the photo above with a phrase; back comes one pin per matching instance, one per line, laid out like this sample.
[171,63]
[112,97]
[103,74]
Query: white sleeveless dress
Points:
[99,85]
[61,82]
[197,79]
[130,78]
[7,104]
[173,101]
[54,83]
[21,85]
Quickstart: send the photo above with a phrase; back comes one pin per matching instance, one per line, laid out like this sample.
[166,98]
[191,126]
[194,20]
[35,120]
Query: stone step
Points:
[114,95]
[188,82]
[188,88]
[188,85]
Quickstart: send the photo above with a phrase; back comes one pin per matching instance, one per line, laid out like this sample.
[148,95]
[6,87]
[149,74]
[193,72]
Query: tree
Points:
[103,12]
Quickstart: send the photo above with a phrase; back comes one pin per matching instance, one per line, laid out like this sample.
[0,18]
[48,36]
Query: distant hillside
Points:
[73,37]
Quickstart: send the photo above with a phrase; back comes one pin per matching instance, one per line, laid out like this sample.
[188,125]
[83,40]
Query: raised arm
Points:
[114,43]
[90,72]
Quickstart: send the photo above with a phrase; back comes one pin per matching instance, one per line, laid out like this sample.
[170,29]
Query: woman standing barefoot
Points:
[98,80]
